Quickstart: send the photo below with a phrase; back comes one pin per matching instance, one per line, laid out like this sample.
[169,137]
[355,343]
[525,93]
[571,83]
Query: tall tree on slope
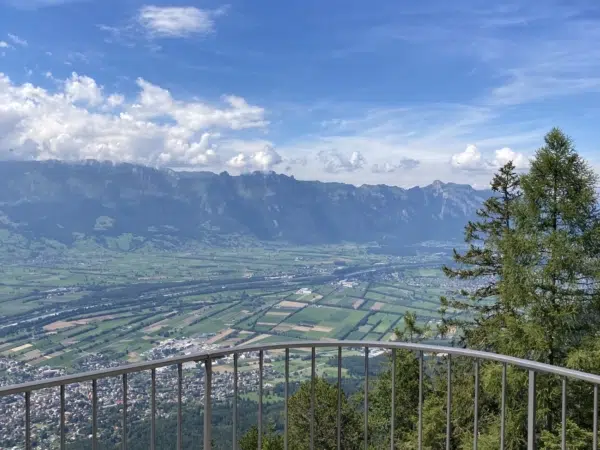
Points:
[542,299]
[484,260]
[559,224]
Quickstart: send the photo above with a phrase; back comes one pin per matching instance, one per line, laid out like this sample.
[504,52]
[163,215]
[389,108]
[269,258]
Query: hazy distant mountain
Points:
[59,201]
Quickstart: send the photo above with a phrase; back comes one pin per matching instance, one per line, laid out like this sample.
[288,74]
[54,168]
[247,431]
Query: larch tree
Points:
[557,287]
[559,226]
[480,310]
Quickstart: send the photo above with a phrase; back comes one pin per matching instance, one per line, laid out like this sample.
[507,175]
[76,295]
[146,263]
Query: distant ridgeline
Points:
[68,201]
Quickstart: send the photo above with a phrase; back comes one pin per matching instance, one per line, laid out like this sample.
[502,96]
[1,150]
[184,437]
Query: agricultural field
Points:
[122,303]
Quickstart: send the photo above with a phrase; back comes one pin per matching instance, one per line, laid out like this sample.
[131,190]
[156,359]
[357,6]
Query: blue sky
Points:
[399,93]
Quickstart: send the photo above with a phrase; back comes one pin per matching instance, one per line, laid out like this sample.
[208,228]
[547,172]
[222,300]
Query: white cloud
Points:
[470,159]
[17,40]
[4,44]
[334,161]
[115,100]
[239,161]
[387,167]
[84,120]
[265,160]
[83,89]
[155,102]
[174,21]
[199,153]
[79,122]
[504,155]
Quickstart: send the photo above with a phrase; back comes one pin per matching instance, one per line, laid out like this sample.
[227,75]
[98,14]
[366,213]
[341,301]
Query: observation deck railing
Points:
[533,368]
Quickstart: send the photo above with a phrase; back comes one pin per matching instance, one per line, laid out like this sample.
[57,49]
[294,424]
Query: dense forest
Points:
[535,246]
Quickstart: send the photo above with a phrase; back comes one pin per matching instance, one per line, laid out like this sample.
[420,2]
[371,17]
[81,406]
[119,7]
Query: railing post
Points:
[94,414]
[531,412]
[287,394]
[420,425]
[179,406]
[313,363]
[595,437]
[62,418]
[28,420]
[449,404]
[503,408]
[124,431]
[208,404]
[366,406]
[476,407]
[153,411]
[563,416]
[339,400]
[235,400]
[260,398]
[393,418]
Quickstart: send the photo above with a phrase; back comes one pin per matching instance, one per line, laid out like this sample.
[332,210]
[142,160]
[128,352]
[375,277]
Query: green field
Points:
[121,303]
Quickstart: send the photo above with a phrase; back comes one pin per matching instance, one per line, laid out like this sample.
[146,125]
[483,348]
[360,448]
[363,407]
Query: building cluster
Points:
[45,404]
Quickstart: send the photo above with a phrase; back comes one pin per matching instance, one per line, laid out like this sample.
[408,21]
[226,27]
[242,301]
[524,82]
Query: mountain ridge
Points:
[60,200]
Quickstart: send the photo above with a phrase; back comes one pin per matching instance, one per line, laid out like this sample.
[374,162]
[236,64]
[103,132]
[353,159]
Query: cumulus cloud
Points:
[4,44]
[17,40]
[115,100]
[265,159]
[404,164]
[472,159]
[240,161]
[80,121]
[173,22]
[83,89]
[506,154]
[335,162]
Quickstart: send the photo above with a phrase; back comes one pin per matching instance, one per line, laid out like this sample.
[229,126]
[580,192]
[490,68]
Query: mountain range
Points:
[65,201]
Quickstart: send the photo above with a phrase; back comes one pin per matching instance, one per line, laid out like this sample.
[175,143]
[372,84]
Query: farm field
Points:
[123,304]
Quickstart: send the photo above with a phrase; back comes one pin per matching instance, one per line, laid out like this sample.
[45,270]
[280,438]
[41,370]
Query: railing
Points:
[207,358]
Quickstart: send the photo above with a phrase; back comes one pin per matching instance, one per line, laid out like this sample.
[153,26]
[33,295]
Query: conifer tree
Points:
[483,261]
[544,299]
[559,227]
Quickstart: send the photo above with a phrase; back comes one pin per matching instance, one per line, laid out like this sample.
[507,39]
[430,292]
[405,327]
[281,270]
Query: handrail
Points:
[219,353]
[532,367]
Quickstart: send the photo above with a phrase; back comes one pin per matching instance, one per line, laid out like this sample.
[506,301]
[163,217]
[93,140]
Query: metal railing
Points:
[207,358]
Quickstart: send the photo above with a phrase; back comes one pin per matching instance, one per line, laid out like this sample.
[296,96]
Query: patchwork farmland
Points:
[219,299]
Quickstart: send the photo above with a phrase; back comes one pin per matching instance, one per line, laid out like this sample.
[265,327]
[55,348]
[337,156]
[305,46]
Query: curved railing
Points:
[206,358]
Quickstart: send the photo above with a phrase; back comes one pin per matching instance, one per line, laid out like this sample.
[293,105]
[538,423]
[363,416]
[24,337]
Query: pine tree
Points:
[558,242]
[559,229]
[539,242]
[545,304]
[483,262]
